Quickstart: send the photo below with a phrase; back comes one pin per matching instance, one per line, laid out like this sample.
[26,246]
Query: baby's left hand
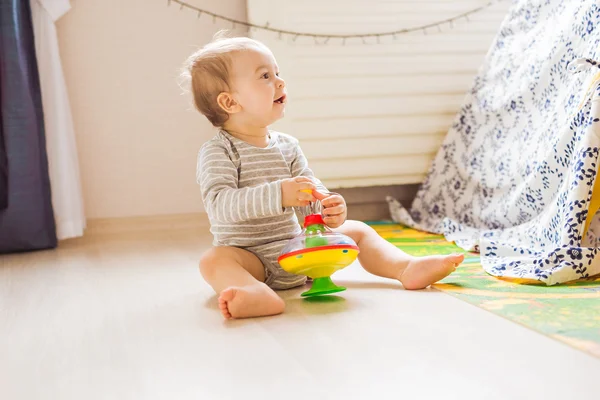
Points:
[334,208]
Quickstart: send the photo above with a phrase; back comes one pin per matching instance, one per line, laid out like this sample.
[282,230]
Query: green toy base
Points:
[322,286]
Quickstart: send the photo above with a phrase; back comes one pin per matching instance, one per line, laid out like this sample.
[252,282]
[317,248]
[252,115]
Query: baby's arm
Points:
[217,176]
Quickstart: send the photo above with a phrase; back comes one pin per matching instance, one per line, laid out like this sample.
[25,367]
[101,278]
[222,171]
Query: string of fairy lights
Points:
[322,38]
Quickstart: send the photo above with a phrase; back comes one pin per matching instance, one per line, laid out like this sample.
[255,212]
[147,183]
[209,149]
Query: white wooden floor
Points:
[124,314]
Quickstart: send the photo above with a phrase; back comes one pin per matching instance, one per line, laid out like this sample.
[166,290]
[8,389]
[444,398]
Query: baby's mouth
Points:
[280,100]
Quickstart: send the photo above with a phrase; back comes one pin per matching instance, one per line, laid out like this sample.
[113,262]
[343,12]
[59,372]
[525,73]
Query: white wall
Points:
[375,114]
[365,115]
[136,135]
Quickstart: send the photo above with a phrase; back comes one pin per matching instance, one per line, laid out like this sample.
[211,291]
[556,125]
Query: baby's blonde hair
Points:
[208,72]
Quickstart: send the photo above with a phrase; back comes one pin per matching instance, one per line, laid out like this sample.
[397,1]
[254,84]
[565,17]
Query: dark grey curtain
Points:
[26,216]
[3,164]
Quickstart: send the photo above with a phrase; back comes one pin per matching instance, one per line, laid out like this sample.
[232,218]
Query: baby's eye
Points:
[265,75]
[277,74]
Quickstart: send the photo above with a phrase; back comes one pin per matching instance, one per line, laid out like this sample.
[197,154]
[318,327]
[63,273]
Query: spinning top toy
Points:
[318,252]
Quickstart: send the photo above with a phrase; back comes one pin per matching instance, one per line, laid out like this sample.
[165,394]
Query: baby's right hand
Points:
[292,194]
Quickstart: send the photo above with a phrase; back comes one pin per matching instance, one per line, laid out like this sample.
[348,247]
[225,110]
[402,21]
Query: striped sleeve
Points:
[217,176]
[300,168]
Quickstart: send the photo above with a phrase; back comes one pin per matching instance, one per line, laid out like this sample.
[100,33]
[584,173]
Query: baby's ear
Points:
[227,103]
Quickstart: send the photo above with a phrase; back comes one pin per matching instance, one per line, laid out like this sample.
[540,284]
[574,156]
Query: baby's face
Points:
[257,87]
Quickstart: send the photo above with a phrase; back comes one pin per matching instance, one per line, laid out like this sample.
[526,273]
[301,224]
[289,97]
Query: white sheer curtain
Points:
[67,198]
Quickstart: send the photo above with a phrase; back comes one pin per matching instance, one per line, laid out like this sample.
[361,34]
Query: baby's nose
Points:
[281,83]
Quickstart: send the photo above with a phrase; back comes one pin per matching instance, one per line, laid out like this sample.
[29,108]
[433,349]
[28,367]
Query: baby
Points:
[252,178]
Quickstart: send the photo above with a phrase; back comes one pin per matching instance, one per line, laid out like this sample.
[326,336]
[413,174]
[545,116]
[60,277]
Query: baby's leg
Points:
[237,276]
[381,258]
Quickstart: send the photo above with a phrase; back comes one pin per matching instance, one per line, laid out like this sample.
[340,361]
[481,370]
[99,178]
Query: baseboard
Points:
[369,204]
[146,224]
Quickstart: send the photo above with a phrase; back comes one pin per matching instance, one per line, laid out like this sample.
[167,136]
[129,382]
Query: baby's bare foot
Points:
[250,301]
[423,271]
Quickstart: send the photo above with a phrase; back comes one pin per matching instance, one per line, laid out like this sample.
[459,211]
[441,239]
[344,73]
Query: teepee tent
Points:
[516,175]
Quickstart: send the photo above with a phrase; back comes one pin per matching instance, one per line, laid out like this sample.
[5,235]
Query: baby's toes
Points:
[226,314]
[456,259]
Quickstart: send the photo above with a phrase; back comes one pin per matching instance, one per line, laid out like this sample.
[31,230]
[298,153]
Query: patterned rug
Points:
[569,312]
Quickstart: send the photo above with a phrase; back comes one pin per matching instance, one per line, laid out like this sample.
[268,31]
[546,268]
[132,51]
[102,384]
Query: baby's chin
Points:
[277,115]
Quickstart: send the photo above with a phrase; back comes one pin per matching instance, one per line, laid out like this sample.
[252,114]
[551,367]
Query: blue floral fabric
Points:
[514,176]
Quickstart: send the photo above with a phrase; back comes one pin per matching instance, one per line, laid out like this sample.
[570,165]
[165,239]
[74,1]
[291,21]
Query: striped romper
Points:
[241,192]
